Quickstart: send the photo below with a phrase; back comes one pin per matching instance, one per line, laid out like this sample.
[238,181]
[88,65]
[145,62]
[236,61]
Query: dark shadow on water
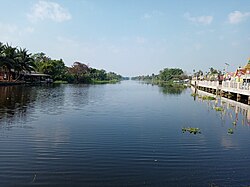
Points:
[15,100]
[19,102]
[172,89]
[226,108]
[168,88]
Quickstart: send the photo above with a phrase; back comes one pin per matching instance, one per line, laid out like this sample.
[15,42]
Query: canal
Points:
[127,134]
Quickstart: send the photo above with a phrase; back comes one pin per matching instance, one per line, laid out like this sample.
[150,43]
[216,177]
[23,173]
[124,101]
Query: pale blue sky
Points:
[132,37]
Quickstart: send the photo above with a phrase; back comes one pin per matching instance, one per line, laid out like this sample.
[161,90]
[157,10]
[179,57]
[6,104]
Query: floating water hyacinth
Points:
[230,131]
[218,109]
[191,130]
[194,94]
[206,97]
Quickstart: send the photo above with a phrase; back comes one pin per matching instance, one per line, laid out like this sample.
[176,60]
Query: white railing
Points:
[212,84]
[235,85]
[229,86]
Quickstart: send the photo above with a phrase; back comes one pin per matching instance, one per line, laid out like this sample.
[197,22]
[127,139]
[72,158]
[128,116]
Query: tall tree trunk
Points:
[17,77]
[9,74]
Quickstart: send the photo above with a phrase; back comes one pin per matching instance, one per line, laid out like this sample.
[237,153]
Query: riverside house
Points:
[23,77]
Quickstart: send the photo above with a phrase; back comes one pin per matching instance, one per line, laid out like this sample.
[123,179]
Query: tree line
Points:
[15,62]
[165,75]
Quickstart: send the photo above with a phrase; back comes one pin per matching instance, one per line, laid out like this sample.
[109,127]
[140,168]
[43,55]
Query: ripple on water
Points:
[116,135]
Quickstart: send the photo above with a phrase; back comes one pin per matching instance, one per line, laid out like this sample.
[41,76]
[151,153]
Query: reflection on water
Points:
[174,90]
[230,108]
[126,134]
[15,101]
[19,101]
[169,89]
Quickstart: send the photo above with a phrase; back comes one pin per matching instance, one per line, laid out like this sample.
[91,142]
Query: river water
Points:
[126,134]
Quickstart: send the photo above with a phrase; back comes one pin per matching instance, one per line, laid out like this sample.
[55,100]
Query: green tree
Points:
[8,59]
[24,62]
[57,69]
[44,64]
[113,76]
[1,53]
[170,73]
[41,62]
[101,75]
[213,71]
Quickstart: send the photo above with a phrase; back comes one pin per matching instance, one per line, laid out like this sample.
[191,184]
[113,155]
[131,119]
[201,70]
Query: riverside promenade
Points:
[229,89]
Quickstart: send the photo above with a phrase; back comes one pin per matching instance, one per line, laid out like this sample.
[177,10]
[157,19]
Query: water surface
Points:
[126,134]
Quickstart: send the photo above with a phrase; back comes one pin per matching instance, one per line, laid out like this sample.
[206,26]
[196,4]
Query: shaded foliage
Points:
[165,75]
[170,73]
[81,73]
[172,89]
[14,60]
[17,60]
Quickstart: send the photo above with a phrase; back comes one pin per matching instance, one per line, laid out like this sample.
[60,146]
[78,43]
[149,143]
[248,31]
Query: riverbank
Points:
[91,82]
[167,83]
[104,81]
[6,83]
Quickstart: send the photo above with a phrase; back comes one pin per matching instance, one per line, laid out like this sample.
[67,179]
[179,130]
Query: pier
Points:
[229,89]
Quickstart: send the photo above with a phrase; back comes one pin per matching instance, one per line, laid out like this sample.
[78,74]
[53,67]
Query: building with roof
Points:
[24,77]
[243,74]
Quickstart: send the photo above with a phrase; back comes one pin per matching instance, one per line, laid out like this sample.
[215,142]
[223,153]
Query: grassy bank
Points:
[104,81]
[90,82]
[60,82]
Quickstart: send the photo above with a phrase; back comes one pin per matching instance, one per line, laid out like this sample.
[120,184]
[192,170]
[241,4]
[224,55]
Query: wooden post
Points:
[248,100]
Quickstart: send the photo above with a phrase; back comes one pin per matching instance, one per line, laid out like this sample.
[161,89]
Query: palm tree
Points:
[1,54]
[8,59]
[24,62]
[42,62]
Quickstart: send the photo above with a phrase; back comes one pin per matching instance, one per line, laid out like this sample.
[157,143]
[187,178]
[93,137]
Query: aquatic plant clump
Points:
[230,131]
[206,97]
[191,130]
[194,94]
[219,109]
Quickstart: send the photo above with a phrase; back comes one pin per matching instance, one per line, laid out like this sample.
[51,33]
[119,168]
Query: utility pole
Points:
[226,67]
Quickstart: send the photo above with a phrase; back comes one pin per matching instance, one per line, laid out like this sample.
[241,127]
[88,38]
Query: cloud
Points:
[29,29]
[48,10]
[13,33]
[203,20]
[7,31]
[8,28]
[237,17]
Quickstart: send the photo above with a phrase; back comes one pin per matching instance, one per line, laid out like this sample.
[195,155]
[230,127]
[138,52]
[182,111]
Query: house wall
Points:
[1,75]
[4,76]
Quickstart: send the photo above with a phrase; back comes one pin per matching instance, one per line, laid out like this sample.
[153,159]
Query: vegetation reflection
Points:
[231,112]
[14,100]
[173,89]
